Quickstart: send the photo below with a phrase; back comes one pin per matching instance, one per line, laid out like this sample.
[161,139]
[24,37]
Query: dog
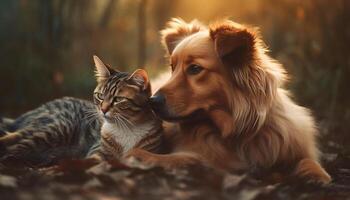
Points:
[228,105]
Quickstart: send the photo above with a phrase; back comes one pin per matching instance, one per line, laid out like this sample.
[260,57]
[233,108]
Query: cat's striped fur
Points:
[75,128]
[129,121]
[53,131]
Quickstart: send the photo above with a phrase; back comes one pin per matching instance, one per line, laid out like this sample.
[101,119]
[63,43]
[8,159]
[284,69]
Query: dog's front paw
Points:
[312,172]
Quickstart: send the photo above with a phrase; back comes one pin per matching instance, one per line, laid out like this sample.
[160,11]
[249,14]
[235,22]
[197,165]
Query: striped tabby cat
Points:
[119,120]
[129,122]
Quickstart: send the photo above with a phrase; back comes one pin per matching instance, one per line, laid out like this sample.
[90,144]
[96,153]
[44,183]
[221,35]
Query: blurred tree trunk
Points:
[142,33]
[52,32]
[107,13]
[163,11]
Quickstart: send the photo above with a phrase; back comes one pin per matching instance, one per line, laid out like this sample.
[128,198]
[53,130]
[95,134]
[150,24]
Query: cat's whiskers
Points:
[89,112]
[125,126]
[92,119]
[123,123]
[128,121]
[90,116]
[119,123]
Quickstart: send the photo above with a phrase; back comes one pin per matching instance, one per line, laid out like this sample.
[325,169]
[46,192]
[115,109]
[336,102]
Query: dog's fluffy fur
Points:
[248,119]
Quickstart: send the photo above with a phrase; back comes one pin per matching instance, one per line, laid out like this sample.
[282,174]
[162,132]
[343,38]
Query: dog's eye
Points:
[194,69]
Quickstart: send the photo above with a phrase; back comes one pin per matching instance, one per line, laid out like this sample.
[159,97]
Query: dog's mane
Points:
[255,87]
[177,29]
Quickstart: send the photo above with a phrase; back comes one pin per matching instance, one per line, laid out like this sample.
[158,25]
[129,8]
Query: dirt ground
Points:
[82,179]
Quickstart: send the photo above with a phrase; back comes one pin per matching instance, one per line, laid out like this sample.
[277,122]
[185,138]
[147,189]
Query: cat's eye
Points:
[194,69]
[99,96]
[118,99]
[124,104]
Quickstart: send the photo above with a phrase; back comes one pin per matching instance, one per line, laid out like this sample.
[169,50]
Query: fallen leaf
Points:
[8,181]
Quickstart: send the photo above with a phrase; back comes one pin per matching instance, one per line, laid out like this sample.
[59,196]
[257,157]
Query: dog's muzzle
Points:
[158,104]
[157,100]
[160,107]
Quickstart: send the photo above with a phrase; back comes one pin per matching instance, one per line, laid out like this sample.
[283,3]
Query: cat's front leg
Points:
[96,157]
[167,161]
[110,149]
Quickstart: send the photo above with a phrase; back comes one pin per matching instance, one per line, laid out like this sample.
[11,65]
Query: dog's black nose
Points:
[157,100]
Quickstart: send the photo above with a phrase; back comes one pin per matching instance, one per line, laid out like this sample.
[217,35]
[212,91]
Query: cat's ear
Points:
[141,77]
[102,71]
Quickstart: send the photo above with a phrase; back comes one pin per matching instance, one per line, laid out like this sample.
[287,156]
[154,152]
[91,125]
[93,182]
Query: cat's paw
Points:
[96,158]
[167,161]
[139,158]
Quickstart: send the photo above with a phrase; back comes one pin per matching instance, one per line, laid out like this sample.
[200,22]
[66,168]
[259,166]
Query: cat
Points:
[118,120]
[129,121]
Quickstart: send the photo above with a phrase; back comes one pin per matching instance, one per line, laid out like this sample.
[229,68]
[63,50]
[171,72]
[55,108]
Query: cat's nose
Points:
[157,100]
[105,107]
[104,110]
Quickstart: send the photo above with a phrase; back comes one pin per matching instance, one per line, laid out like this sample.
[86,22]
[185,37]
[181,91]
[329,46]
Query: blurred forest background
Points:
[46,47]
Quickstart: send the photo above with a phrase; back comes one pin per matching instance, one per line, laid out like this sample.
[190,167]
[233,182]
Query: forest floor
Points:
[82,179]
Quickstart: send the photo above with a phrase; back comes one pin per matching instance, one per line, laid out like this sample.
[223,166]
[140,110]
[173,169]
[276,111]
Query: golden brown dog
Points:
[231,111]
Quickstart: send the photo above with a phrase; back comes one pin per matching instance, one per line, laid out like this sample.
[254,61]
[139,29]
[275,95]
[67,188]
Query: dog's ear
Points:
[176,30]
[234,43]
